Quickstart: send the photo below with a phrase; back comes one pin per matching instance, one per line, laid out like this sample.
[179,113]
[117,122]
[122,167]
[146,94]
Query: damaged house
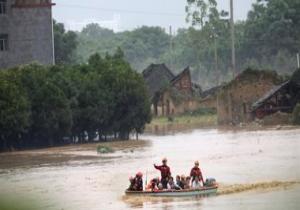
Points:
[171,94]
[281,98]
[235,99]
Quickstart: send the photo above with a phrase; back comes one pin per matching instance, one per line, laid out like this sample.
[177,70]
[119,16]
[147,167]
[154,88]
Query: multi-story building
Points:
[26,32]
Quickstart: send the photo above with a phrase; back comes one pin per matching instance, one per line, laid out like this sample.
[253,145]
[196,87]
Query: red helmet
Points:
[139,174]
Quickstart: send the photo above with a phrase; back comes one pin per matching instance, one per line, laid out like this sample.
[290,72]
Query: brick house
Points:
[26,32]
[281,98]
[235,99]
[171,94]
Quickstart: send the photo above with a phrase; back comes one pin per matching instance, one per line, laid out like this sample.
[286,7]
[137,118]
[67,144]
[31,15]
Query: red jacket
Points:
[196,172]
[164,170]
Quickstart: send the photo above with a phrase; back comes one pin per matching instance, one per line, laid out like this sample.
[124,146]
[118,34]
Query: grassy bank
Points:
[206,120]
[202,118]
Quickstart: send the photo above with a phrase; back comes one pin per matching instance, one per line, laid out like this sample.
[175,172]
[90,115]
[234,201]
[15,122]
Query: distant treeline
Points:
[46,106]
[267,39]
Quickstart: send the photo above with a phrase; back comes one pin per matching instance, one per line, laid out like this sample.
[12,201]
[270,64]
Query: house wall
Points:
[209,102]
[235,100]
[167,106]
[30,33]
[184,83]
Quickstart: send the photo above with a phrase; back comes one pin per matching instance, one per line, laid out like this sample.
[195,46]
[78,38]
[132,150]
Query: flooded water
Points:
[255,169]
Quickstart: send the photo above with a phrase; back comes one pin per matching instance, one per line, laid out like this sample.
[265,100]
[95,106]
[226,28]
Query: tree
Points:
[14,110]
[270,33]
[50,109]
[132,106]
[65,44]
[199,12]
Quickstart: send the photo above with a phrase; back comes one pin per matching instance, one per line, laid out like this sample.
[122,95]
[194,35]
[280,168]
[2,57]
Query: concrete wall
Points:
[30,35]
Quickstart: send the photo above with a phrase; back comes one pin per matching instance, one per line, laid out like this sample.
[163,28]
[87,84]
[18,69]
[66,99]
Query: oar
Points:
[146,182]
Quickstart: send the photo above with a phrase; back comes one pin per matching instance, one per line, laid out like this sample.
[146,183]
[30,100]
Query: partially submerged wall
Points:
[234,101]
[278,118]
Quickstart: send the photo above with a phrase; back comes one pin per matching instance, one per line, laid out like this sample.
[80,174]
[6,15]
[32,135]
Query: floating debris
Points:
[104,149]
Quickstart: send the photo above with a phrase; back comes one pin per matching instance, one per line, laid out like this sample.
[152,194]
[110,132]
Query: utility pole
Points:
[232,39]
[216,60]
[298,61]
[171,45]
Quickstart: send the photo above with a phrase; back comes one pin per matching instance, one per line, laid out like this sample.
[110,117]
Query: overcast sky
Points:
[123,15]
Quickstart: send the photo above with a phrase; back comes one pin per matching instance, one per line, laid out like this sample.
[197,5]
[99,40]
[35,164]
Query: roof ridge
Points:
[152,66]
[181,73]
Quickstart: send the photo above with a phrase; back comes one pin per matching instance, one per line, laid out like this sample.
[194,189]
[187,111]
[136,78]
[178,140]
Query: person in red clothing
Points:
[138,182]
[165,173]
[196,172]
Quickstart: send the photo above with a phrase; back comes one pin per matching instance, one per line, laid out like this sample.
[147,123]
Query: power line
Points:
[139,12]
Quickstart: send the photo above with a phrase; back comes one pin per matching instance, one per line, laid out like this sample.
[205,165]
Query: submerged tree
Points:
[46,106]
[14,110]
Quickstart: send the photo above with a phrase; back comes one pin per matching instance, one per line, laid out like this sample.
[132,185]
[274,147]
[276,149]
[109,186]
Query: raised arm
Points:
[157,167]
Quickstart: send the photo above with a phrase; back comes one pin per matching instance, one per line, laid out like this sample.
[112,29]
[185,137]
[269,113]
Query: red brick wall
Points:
[184,83]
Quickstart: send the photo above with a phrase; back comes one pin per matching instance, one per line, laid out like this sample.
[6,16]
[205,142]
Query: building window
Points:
[3,42]
[3,6]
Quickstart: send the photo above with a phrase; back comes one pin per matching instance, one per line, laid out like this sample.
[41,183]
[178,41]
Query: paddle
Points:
[146,182]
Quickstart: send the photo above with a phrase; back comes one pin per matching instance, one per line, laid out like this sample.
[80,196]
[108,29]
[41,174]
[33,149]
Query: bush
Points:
[202,112]
[296,115]
[104,149]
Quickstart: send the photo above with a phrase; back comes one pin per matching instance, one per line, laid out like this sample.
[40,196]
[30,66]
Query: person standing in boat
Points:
[196,183]
[165,173]
[196,172]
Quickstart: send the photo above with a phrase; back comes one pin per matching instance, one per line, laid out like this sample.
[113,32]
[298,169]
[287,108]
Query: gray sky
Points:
[129,14]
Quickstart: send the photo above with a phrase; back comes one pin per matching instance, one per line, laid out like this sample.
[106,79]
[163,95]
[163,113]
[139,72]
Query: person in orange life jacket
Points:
[196,172]
[165,173]
[153,185]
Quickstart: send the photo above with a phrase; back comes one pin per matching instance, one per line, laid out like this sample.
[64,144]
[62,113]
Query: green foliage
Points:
[296,115]
[65,44]
[104,149]
[268,39]
[14,109]
[202,112]
[200,11]
[45,106]
[145,44]
[270,35]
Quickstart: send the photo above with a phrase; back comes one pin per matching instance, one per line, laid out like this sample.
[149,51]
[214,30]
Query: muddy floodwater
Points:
[255,169]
